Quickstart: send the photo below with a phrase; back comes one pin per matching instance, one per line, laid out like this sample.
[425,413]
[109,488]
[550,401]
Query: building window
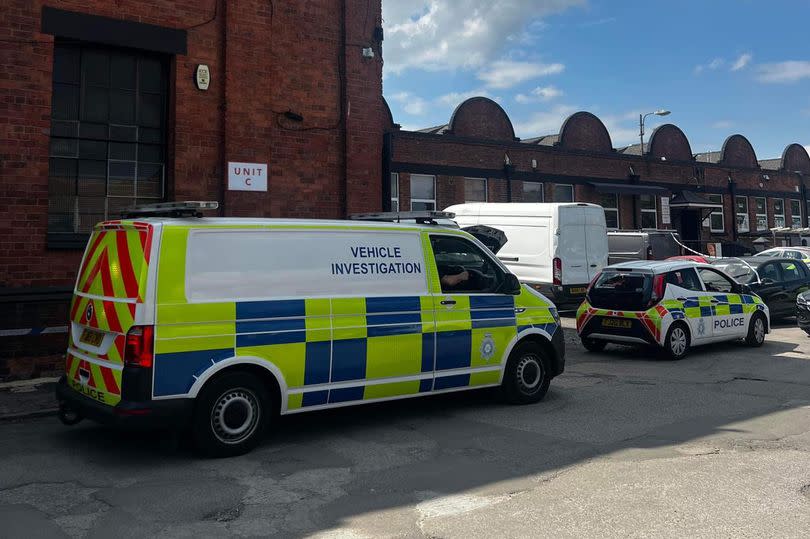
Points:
[716,221]
[610,203]
[475,189]
[563,192]
[532,192]
[423,192]
[761,206]
[779,213]
[795,214]
[649,211]
[742,214]
[108,134]
[394,191]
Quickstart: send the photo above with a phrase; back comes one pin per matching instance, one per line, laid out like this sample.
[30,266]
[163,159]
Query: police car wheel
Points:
[593,345]
[526,379]
[677,342]
[230,415]
[756,331]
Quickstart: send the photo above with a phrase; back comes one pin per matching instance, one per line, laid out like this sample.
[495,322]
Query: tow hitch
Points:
[67,415]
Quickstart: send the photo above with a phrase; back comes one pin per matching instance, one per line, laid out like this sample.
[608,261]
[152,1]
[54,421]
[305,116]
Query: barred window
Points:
[108,134]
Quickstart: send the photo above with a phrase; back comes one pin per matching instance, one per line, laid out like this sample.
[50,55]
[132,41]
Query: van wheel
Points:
[756,331]
[593,345]
[677,343]
[230,415]
[526,379]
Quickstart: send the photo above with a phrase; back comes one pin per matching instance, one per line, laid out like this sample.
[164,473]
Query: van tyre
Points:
[593,345]
[756,331]
[526,377]
[678,341]
[231,414]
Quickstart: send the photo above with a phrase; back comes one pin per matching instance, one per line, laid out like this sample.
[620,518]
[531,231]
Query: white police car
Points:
[671,304]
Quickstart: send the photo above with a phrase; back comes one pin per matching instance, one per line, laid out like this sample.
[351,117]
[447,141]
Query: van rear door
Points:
[110,286]
[572,245]
[595,240]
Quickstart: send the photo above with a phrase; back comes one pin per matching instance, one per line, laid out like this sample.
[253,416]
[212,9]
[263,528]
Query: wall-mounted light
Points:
[534,164]
[766,177]
[506,160]
[368,52]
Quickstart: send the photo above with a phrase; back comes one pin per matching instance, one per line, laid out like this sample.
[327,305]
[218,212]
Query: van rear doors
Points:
[582,243]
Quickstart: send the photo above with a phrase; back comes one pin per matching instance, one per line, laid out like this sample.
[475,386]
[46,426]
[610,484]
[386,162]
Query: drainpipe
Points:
[732,189]
[803,191]
[386,173]
[634,179]
[507,175]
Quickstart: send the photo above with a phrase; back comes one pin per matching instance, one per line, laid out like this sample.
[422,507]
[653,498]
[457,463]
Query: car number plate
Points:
[616,323]
[93,338]
[578,290]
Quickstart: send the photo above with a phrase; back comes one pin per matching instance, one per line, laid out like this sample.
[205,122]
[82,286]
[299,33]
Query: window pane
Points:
[563,193]
[92,149]
[532,192]
[608,200]
[65,102]
[123,151]
[151,75]
[91,211]
[153,136]
[62,177]
[95,104]
[423,187]
[762,222]
[96,68]
[458,261]
[612,218]
[779,206]
[395,205]
[122,179]
[648,219]
[64,129]
[150,153]
[395,185]
[647,202]
[122,107]
[761,206]
[150,180]
[123,133]
[742,205]
[742,222]
[94,131]
[790,271]
[475,190]
[717,222]
[122,71]
[150,110]
[65,147]
[66,64]
[423,206]
[92,178]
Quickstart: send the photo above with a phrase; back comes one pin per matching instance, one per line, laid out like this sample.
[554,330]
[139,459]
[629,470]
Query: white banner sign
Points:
[665,217]
[247,176]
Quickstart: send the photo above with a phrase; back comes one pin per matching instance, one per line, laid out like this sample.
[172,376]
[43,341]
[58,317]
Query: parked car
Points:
[691,258]
[554,248]
[624,246]
[670,304]
[778,281]
[803,311]
[798,253]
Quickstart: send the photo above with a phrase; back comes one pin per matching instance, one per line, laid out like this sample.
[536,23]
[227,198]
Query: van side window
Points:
[463,267]
[685,278]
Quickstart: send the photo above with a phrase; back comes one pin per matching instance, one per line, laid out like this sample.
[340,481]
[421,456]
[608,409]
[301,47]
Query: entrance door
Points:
[690,228]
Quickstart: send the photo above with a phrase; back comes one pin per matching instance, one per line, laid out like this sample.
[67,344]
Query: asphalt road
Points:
[625,445]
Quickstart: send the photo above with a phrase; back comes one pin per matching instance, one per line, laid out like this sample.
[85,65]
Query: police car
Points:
[217,325]
[671,304]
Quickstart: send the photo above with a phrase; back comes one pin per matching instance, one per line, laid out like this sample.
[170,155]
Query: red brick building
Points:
[100,108]
[476,157]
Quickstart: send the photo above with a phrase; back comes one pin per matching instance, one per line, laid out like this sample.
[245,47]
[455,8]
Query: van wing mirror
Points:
[511,285]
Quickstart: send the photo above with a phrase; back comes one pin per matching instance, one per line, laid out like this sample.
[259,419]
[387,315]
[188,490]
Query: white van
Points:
[216,325]
[557,248]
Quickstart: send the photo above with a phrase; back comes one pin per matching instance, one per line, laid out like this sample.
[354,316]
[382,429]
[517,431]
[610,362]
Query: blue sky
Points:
[721,66]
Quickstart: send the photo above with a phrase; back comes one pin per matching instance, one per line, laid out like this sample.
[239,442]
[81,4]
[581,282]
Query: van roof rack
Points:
[190,208]
[421,217]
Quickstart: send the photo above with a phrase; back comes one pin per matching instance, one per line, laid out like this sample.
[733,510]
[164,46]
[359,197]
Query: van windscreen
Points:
[621,291]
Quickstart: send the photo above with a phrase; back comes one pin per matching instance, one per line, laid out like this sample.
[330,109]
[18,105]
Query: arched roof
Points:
[481,117]
[584,131]
[796,159]
[668,141]
[737,151]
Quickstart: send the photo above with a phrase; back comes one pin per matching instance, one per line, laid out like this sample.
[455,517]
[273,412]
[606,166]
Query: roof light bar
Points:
[423,217]
[171,209]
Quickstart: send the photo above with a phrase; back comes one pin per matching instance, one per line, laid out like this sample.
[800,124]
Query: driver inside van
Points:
[453,277]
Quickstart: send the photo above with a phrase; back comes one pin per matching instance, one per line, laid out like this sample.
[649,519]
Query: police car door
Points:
[685,287]
[727,317]
[475,322]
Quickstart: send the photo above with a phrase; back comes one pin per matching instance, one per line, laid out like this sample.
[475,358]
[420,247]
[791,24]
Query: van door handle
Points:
[578,266]
[509,258]
[593,265]
[448,302]
[680,299]
[714,301]
[519,310]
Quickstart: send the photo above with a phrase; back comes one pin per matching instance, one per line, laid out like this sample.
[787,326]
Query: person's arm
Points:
[454,280]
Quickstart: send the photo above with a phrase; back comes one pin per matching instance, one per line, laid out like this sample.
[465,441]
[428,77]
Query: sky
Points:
[721,66]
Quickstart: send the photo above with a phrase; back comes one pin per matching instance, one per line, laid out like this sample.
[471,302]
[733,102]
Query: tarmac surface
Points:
[625,445]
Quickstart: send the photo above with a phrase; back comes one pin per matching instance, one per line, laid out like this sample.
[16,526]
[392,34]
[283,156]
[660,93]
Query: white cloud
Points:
[741,62]
[411,104]
[507,73]
[722,124]
[455,98]
[439,35]
[784,72]
[714,65]
[541,93]
[545,122]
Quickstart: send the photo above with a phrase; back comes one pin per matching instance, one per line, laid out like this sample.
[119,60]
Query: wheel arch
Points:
[535,335]
[268,372]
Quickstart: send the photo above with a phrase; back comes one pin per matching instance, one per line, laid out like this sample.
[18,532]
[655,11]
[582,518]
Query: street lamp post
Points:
[641,118]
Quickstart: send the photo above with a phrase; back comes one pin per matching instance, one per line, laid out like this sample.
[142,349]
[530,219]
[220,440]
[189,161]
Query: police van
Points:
[671,304]
[220,324]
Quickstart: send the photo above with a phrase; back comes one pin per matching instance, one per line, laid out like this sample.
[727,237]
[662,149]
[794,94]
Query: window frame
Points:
[568,185]
[394,197]
[474,179]
[728,279]
[746,214]
[653,211]
[682,270]
[779,215]
[758,215]
[797,264]
[483,252]
[423,200]
[541,189]
[793,217]
[721,212]
[613,209]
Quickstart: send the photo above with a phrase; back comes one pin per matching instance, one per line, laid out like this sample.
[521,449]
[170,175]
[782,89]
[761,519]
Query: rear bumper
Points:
[129,414]
[558,343]
[563,296]
[636,333]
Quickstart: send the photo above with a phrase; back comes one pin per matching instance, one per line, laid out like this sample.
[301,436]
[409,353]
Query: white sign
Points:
[665,217]
[202,77]
[247,176]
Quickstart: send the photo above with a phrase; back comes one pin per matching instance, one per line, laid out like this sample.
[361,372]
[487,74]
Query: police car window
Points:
[463,267]
[791,271]
[685,278]
[793,254]
[769,271]
[715,282]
